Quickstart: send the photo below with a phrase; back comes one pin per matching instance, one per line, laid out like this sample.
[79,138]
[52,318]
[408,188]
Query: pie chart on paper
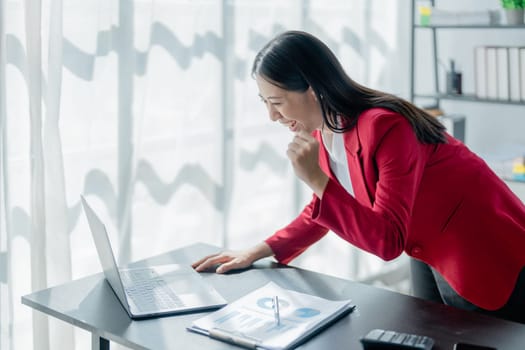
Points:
[306,312]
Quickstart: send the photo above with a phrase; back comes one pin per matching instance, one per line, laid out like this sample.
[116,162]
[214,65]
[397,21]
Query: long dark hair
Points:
[296,60]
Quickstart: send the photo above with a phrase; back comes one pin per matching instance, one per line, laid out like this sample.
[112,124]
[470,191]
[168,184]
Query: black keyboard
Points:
[385,339]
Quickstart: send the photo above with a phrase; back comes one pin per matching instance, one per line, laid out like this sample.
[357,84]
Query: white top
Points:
[338,160]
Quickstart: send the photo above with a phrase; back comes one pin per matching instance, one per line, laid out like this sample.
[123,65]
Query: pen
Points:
[275,306]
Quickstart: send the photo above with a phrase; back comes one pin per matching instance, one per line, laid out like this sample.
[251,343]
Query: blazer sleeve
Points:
[395,160]
[296,237]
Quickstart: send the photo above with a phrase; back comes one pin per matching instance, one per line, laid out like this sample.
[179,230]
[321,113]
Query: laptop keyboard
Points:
[148,290]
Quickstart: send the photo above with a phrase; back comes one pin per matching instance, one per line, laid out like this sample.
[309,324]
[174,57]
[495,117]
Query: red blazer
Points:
[440,204]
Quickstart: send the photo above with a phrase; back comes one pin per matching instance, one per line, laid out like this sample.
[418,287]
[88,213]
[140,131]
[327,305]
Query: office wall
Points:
[493,130]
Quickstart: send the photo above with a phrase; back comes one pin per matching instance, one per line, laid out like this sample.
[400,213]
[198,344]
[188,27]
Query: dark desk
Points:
[90,304]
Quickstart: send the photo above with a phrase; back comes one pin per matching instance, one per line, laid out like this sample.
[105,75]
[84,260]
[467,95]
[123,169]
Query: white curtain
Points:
[148,108]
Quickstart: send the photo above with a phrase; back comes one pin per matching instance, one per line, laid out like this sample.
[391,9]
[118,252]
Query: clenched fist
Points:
[303,152]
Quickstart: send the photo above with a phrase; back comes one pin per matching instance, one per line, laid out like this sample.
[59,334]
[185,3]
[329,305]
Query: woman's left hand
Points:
[303,152]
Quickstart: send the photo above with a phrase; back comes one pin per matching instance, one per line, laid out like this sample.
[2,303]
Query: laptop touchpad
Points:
[182,280]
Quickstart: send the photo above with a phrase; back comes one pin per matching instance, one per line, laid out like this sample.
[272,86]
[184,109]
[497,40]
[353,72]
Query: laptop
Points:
[151,291]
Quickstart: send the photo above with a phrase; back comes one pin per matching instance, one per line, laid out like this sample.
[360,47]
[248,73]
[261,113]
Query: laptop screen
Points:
[105,253]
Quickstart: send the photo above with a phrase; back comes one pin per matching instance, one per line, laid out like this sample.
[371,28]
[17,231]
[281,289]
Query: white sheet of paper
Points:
[252,316]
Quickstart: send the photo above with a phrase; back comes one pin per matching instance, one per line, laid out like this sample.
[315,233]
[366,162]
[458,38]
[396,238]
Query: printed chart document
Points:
[254,321]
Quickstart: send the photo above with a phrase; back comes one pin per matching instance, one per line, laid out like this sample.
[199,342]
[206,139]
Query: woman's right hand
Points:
[233,260]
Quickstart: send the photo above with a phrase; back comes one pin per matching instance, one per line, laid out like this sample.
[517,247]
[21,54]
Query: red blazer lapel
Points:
[324,161]
[355,166]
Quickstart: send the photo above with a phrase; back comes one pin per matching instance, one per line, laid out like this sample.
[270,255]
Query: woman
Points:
[388,179]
